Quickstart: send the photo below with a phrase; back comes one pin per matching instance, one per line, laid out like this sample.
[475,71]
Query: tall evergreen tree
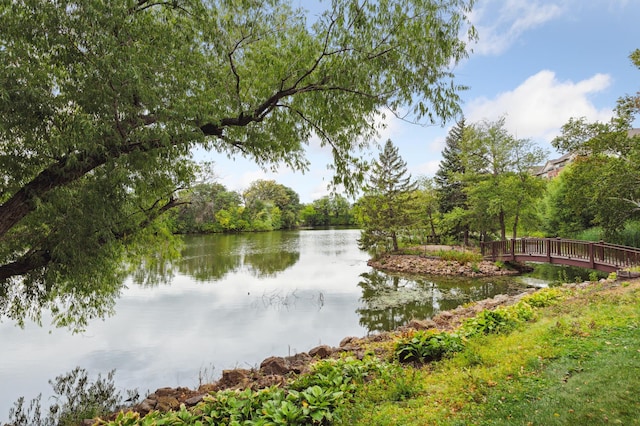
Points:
[449,185]
[386,207]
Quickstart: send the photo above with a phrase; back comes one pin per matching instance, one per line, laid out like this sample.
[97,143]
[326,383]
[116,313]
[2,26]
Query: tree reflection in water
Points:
[262,254]
[392,300]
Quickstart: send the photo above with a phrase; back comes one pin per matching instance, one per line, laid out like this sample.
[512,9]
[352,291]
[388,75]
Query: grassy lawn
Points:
[576,363]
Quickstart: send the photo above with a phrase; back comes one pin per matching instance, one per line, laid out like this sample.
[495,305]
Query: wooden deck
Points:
[600,256]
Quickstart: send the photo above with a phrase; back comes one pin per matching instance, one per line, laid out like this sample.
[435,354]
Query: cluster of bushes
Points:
[460,256]
[430,345]
[309,400]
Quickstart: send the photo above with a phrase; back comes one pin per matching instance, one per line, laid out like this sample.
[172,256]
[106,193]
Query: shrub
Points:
[426,346]
[462,257]
[76,398]
[545,297]
[499,320]
[339,374]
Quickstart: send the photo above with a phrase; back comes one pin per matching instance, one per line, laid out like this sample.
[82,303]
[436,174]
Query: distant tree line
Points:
[265,206]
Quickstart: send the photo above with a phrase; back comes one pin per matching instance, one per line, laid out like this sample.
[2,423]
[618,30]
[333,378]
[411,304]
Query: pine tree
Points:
[386,207]
[447,179]
[449,184]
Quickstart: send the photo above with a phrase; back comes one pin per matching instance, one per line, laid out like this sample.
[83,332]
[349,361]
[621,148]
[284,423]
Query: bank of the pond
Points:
[276,371]
[583,311]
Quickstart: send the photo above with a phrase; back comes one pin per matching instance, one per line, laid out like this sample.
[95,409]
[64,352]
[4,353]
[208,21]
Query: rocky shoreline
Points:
[278,370]
[431,265]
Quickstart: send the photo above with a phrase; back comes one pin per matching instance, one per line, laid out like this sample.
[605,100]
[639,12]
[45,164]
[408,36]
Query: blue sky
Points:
[537,62]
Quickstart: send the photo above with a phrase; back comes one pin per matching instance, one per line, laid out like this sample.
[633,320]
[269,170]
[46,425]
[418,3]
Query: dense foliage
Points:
[264,206]
[330,210]
[497,170]
[484,184]
[210,207]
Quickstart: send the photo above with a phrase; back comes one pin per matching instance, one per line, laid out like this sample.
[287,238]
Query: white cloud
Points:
[501,23]
[542,104]
[428,168]
[437,144]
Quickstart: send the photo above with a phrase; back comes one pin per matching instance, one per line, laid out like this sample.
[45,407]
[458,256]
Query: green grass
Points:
[460,256]
[599,383]
[628,236]
[577,363]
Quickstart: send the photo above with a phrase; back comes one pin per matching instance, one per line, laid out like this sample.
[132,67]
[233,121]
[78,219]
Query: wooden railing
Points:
[587,254]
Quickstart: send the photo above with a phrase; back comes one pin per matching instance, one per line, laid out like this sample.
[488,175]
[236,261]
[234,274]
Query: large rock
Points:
[421,324]
[275,365]
[322,352]
[166,403]
[299,363]
[236,378]
[348,341]
[146,406]
[190,402]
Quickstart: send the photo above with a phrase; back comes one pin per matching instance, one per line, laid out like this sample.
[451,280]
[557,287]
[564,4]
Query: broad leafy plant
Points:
[426,346]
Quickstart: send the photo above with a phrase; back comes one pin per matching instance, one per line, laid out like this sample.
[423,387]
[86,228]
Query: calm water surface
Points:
[232,301]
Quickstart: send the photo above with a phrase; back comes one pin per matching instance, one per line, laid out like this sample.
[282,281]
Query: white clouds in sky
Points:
[500,23]
[539,106]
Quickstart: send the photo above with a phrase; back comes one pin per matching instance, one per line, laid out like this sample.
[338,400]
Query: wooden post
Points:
[513,250]
[592,259]
[548,250]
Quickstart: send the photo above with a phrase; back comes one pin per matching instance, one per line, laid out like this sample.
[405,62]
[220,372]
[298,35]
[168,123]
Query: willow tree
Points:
[102,102]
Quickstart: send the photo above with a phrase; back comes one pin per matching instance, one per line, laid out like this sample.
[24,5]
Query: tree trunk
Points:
[515,220]
[434,235]
[503,226]
[394,240]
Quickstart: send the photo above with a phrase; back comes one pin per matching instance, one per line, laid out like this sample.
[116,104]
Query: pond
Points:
[231,301]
